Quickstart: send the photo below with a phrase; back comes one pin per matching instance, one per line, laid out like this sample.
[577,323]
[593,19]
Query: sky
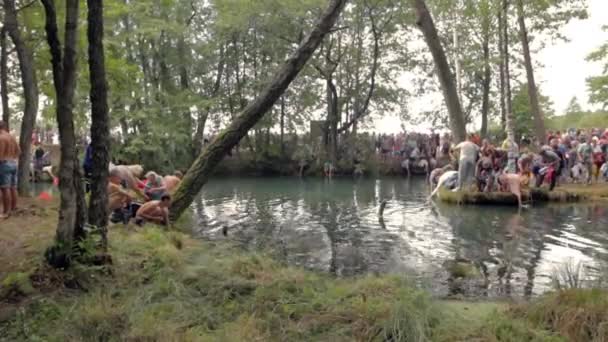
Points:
[564,68]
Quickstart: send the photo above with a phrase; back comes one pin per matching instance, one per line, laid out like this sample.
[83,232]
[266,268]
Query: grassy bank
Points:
[165,286]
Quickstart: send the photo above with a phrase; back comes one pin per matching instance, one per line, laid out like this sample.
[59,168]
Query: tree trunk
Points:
[70,227]
[30,93]
[100,126]
[332,120]
[6,114]
[282,124]
[200,171]
[501,81]
[424,21]
[508,103]
[204,114]
[185,88]
[539,123]
[487,75]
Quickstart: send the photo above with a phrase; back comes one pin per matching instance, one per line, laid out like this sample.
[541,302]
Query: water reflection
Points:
[333,226]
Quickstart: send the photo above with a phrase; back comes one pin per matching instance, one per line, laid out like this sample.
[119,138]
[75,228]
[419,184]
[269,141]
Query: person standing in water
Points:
[9,154]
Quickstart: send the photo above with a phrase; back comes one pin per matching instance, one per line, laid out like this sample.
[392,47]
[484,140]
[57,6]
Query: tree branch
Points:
[26,5]
[362,111]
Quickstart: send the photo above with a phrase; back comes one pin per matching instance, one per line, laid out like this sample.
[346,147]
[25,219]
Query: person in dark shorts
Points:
[9,153]
[38,162]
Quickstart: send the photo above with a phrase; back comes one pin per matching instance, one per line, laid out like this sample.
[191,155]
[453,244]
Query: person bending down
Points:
[171,182]
[156,212]
[118,197]
[511,182]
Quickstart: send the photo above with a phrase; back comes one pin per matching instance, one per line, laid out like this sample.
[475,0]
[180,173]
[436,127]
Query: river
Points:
[333,226]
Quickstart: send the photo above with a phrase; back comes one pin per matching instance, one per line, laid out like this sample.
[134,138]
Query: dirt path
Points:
[25,235]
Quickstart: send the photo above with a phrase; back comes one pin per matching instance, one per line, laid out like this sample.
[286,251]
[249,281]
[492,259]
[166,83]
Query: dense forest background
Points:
[178,71]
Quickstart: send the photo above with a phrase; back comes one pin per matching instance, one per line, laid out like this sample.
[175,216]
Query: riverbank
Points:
[561,194]
[166,286]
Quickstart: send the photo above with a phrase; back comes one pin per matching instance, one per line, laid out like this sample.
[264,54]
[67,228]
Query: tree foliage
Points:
[598,85]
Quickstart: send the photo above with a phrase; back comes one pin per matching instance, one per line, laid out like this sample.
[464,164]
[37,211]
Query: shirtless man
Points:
[154,211]
[117,196]
[171,182]
[9,153]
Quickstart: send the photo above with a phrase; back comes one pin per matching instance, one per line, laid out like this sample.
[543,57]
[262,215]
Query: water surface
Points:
[333,226]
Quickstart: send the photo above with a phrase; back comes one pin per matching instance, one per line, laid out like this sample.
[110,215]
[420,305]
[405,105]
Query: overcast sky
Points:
[564,69]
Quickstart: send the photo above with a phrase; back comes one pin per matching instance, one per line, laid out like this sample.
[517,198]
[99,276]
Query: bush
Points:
[580,315]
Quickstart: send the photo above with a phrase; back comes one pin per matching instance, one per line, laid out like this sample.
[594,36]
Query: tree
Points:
[522,111]
[100,121]
[487,68]
[539,123]
[6,115]
[30,93]
[200,171]
[425,23]
[574,106]
[72,213]
[506,95]
[598,85]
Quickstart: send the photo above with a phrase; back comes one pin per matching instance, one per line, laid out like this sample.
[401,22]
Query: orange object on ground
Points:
[45,196]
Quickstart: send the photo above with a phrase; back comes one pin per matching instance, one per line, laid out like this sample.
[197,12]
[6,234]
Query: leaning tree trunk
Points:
[30,94]
[200,171]
[70,227]
[508,103]
[6,114]
[424,21]
[539,124]
[100,125]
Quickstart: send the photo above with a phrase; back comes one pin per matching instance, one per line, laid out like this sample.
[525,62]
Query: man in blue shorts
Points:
[9,154]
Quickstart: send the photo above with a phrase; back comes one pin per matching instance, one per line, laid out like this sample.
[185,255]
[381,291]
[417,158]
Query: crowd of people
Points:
[144,200]
[129,197]
[578,156]
[570,157]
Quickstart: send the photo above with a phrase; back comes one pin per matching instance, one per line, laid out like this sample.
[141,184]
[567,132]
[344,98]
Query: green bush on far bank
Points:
[583,120]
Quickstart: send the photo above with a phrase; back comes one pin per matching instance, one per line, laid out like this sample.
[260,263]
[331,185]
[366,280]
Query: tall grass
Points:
[165,286]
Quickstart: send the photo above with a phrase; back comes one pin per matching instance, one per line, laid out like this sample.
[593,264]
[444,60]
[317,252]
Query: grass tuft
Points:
[580,315]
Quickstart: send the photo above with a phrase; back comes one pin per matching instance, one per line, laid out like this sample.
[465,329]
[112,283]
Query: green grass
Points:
[166,286]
